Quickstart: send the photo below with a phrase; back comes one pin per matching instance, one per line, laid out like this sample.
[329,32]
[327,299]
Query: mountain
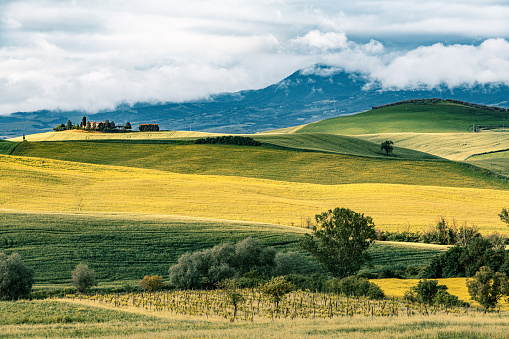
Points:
[306,96]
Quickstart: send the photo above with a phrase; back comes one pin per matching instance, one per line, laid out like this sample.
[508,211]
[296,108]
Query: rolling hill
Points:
[139,200]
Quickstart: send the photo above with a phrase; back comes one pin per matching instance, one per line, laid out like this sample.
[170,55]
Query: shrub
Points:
[488,287]
[206,268]
[356,286]
[152,283]
[277,288]
[83,277]
[16,279]
[229,140]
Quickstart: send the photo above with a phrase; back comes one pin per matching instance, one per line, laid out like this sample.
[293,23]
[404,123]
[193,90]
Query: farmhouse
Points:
[149,127]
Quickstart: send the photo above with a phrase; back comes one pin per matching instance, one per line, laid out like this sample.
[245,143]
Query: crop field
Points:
[437,118]
[61,319]
[6,147]
[452,146]
[455,286]
[497,162]
[52,185]
[266,163]
[122,246]
[96,136]
[125,246]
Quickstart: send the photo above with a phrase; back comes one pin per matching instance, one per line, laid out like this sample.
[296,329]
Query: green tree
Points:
[16,279]
[340,240]
[151,283]
[83,277]
[277,288]
[127,126]
[69,125]
[504,215]
[234,295]
[488,287]
[387,146]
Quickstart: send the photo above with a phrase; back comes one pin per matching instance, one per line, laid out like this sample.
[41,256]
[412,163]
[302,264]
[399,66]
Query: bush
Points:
[229,140]
[357,287]
[206,268]
[83,277]
[16,279]
[152,283]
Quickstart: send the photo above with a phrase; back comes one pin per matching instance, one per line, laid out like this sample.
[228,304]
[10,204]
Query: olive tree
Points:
[83,277]
[16,279]
[488,287]
[340,240]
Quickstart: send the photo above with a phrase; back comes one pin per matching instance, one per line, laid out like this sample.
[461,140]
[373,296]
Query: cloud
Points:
[92,55]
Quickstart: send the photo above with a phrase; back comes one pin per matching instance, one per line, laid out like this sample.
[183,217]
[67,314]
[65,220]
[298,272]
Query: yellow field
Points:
[51,185]
[456,286]
[82,135]
[452,146]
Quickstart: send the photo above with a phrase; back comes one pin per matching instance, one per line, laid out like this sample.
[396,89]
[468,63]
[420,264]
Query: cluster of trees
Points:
[429,292]
[105,126]
[229,140]
[249,261]
[443,233]
[466,260]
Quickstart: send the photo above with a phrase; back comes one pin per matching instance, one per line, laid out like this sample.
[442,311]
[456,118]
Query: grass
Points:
[399,255]
[497,162]
[442,117]
[122,246]
[144,324]
[452,146]
[267,163]
[6,147]
[340,144]
[51,185]
[91,136]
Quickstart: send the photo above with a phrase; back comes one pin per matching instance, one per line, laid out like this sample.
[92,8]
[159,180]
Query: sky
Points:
[93,55]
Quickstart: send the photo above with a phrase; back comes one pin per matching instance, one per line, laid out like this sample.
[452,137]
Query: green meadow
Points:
[442,117]
[294,165]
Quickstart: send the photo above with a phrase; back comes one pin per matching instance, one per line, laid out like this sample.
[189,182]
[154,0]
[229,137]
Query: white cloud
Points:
[95,54]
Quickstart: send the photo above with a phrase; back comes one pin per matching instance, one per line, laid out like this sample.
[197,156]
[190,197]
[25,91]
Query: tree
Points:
[151,283]
[488,287]
[83,123]
[83,277]
[69,125]
[504,215]
[340,240]
[234,295]
[127,126]
[277,288]
[16,279]
[387,146]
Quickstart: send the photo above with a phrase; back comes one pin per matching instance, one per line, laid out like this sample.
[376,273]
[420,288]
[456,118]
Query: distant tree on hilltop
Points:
[387,146]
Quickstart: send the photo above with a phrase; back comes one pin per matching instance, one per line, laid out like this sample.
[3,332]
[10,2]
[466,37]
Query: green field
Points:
[267,163]
[122,246]
[125,246]
[6,147]
[443,117]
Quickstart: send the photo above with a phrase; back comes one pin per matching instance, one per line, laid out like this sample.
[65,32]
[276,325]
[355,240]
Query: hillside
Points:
[51,185]
[271,163]
[440,117]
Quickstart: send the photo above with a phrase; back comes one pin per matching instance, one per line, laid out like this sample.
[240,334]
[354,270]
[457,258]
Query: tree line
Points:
[103,126]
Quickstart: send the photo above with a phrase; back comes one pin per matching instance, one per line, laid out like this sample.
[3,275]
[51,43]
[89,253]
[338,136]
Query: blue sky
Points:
[92,55]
